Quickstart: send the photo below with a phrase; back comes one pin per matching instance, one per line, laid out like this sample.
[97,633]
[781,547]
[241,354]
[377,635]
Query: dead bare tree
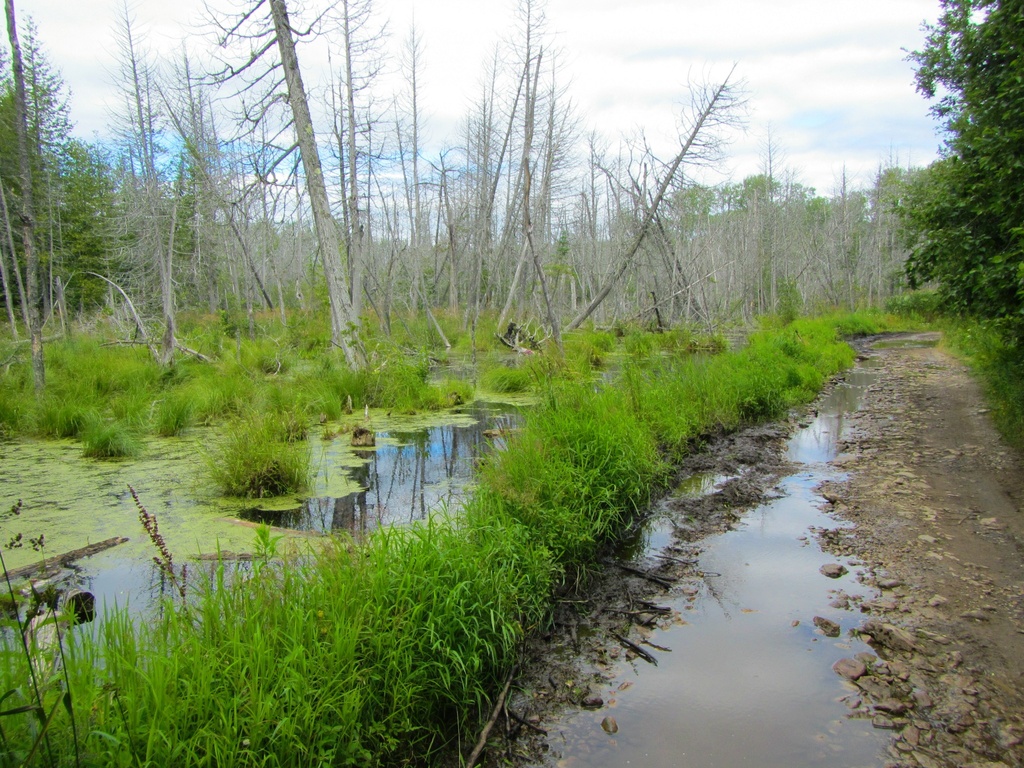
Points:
[711,107]
[265,81]
[26,213]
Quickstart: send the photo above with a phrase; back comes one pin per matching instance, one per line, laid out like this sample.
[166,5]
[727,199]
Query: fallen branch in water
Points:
[59,561]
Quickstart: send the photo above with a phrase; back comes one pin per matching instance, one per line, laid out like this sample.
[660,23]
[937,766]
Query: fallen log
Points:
[226,556]
[59,561]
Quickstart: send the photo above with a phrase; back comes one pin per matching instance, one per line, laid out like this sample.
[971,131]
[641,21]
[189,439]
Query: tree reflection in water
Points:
[404,479]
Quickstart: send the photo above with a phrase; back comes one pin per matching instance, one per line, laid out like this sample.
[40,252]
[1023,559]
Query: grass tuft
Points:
[109,440]
[256,460]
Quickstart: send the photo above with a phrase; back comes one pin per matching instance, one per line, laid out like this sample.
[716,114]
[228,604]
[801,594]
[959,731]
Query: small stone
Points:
[911,735]
[593,701]
[976,615]
[877,689]
[851,669]
[885,723]
[889,583]
[922,699]
[828,627]
[882,605]
[937,600]
[609,725]
[891,706]
[833,570]
[925,538]
[889,636]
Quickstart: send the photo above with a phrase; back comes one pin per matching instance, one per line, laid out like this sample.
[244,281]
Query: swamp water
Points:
[419,465]
[745,679]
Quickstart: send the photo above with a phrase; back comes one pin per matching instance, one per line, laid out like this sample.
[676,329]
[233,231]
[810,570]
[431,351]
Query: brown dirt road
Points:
[937,503]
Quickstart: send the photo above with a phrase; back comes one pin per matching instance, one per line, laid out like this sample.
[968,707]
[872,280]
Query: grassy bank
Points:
[93,382]
[1000,366]
[390,651]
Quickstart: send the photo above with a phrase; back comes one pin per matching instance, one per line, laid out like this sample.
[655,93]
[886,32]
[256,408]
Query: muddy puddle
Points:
[743,676]
[419,465]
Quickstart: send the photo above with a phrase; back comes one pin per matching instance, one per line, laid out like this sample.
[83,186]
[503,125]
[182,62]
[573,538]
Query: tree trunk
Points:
[344,324]
[26,214]
[8,299]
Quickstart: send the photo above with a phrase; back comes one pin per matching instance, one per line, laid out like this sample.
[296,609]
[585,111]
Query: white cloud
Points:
[830,78]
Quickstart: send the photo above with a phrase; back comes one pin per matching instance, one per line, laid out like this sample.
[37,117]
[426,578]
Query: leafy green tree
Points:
[966,212]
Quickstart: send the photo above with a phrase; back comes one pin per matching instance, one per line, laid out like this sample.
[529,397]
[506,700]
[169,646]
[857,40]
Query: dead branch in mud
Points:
[676,559]
[636,649]
[644,575]
[523,721]
[655,608]
[499,705]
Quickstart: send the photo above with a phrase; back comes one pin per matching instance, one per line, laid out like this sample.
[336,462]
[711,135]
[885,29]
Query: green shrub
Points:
[917,305]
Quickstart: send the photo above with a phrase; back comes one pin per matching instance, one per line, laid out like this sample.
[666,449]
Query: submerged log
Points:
[67,558]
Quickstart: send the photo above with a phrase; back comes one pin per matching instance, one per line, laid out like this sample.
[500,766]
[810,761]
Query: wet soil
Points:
[924,528]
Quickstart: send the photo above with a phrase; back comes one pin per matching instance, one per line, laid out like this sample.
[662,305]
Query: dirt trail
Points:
[936,499]
[932,518]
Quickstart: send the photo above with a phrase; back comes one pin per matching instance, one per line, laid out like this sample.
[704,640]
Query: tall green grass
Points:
[103,439]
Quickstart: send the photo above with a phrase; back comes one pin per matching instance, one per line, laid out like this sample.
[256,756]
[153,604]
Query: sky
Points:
[828,79]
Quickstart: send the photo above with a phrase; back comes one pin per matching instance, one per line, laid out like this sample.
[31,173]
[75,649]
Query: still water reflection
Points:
[744,678]
[410,474]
